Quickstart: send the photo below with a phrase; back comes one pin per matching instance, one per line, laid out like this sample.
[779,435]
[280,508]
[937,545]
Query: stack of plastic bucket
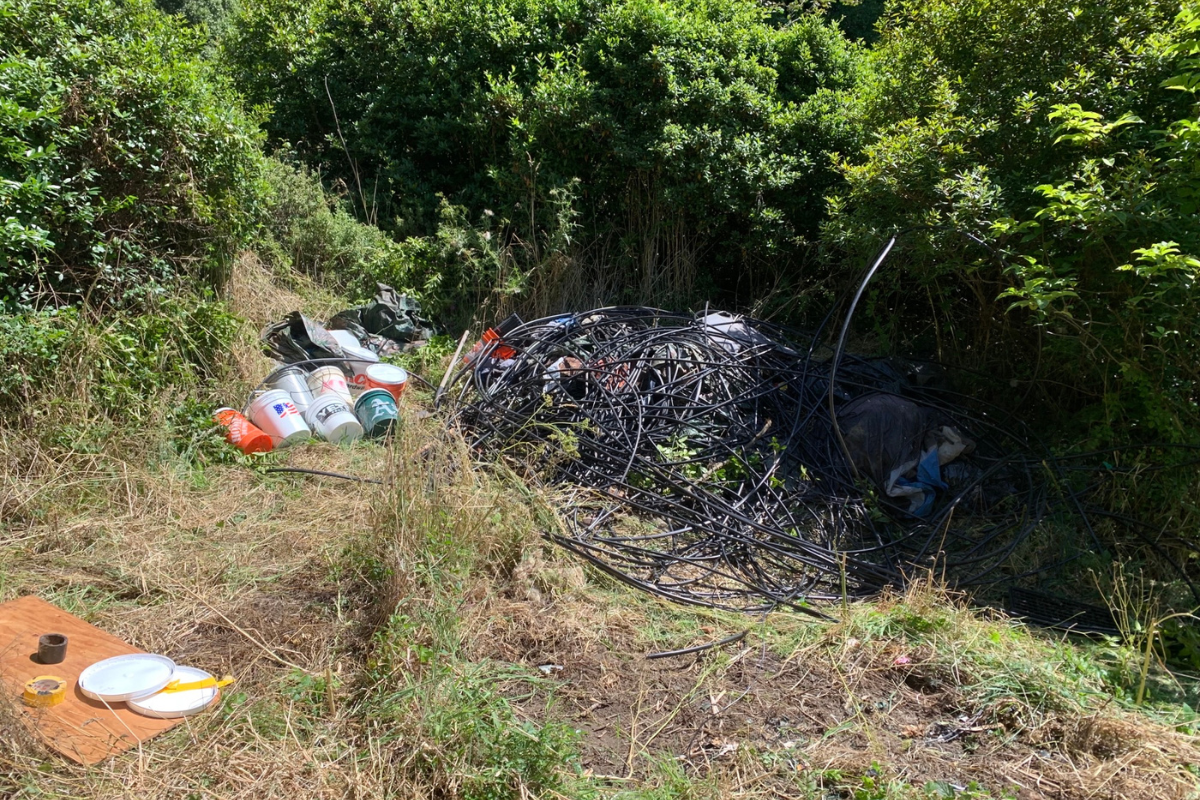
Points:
[359,357]
[329,380]
[331,414]
[332,419]
[386,376]
[274,412]
[294,381]
[297,404]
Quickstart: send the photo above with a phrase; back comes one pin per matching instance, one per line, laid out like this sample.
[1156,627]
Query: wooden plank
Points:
[82,729]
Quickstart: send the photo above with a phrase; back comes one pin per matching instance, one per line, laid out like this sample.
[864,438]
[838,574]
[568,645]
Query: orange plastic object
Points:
[242,433]
[500,352]
[388,377]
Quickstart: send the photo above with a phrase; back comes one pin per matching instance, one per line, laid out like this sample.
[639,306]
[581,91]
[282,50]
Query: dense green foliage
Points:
[857,18]
[213,15]
[311,230]
[651,138]
[582,151]
[1056,141]
[80,377]
[308,230]
[540,154]
[124,159]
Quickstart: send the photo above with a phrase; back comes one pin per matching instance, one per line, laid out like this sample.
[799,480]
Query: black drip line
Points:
[711,468]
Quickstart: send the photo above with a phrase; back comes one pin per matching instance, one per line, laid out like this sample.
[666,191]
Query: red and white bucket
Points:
[277,416]
[386,376]
[326,380]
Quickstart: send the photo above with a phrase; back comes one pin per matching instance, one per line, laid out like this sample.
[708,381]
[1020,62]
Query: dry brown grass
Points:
[289,581]
[224,569]
[240,574]
[259,297]
[777,717]
[233,575]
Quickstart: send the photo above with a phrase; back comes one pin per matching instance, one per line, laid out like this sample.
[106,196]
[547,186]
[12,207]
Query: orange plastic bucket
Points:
[242,433]
[386,376]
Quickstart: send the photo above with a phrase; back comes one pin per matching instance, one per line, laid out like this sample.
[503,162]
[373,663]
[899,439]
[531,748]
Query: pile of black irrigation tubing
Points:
[708,465]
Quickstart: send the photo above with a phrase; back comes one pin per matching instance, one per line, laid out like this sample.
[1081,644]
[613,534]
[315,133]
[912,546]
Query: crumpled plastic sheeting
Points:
[390,323]
[901,447]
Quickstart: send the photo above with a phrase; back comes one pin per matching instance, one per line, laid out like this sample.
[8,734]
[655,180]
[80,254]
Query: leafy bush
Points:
[657,147]
[214,15]
[1054,140]
[311,231]
[31,350]
[857,18]
[109,367]
[126,161]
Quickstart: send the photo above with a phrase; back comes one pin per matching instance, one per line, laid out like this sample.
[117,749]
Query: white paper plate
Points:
[124,677]
[169,705]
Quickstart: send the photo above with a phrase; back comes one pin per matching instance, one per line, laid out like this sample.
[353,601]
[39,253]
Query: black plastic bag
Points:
[395,316]
[298,338]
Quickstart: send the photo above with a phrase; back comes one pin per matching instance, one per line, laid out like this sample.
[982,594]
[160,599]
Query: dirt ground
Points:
[834,707]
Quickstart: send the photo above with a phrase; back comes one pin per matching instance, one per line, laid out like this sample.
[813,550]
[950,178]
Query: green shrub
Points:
[311,231]
[112,367]
[475,745]
[214,15]
[126,161]
[858,18]
[1053,140]
[31,350]
[649,150]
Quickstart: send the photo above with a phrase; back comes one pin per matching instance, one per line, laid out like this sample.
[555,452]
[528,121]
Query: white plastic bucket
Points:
[277,416]
[330,380]
[361,357]
[293,381]
[332,419]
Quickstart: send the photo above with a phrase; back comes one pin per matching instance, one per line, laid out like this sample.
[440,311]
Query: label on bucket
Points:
[284,408]
[242,433]
[324,413]
[377,411]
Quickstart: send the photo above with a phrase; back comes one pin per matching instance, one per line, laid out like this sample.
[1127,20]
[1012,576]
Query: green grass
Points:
[386,643]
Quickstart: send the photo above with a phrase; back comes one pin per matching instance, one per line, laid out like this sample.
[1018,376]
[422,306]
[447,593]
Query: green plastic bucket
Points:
[376,410]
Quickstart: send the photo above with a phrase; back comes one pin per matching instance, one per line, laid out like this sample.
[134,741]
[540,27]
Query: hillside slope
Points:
[419,639]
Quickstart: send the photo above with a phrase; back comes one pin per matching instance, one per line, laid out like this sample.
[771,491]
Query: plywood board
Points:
[82,729]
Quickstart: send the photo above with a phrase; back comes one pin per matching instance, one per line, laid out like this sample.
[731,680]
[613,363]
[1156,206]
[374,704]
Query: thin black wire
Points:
[325,474]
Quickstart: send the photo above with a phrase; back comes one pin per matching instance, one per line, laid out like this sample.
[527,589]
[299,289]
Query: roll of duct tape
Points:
[45,691]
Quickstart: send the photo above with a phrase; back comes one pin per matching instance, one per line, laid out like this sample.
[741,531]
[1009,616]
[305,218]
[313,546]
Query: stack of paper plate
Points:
[168,705]
[127,677]
[138,680]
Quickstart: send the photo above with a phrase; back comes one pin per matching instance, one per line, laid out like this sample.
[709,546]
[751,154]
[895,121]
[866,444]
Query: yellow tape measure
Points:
[207,683]
[45,691]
